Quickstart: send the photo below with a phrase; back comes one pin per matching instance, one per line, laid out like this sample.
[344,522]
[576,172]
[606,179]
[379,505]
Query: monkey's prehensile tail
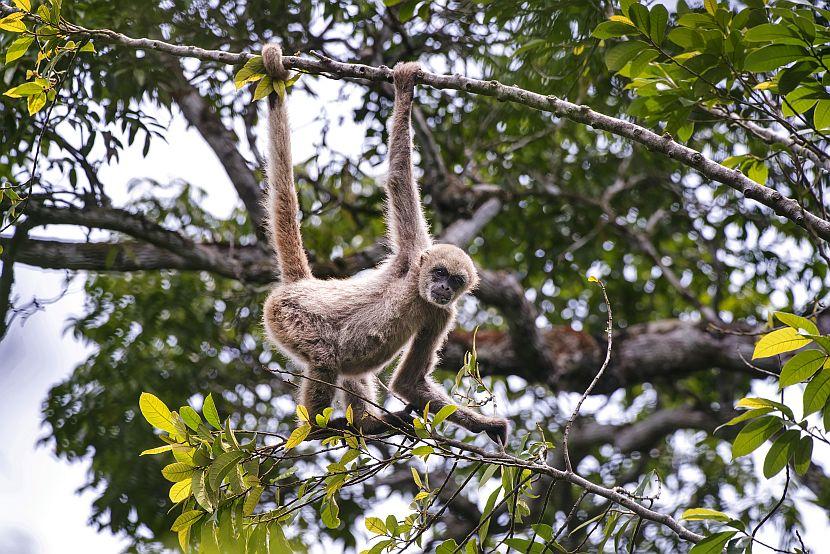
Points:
[282,196]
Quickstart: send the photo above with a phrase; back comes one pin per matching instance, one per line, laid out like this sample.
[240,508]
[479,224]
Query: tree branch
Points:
[780,204]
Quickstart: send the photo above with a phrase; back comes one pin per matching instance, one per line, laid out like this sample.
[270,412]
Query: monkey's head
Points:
[446,273]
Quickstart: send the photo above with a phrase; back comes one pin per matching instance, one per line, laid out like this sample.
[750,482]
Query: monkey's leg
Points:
[361,394]
[317,390]
[413,381]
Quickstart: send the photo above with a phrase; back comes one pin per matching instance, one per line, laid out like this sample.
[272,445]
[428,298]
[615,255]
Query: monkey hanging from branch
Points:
[344,331]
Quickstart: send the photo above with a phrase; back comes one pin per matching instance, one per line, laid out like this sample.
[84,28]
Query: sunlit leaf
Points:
[778,342]
[801,367]
[754,434]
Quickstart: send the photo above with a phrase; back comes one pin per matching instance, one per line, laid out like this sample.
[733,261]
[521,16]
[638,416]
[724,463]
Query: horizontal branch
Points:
[733,178]
[559,357]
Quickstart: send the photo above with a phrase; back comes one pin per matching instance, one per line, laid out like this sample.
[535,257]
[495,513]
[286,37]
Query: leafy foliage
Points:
[576,201]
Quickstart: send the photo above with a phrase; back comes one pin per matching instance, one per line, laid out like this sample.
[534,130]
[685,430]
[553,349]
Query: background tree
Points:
[692,262]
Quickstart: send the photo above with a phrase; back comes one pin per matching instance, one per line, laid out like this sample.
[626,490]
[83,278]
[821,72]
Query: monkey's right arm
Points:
[407,225]
[282,196]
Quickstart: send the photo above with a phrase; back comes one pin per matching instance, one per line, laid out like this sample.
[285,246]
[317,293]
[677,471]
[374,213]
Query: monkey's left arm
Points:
[407,226]
[412,380]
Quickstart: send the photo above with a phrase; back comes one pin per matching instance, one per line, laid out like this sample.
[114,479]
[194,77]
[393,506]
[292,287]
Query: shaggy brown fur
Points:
[345,331]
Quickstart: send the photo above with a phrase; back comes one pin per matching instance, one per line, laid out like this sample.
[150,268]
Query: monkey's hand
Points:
[496,429]
[404,75]
[272,60]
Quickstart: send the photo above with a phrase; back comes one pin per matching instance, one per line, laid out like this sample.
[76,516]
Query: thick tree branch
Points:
[141,228]
[780,204]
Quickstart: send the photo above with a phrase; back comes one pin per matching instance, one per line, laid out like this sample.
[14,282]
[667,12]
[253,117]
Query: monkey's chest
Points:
[364,348]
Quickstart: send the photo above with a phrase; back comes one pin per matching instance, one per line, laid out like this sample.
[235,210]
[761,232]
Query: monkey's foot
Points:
[272,60]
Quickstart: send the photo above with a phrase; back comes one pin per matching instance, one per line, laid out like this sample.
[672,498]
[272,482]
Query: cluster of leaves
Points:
[254,72]
[53,43]
[773,421]
[217,481]
[758,57]
[43,80]
[792,438]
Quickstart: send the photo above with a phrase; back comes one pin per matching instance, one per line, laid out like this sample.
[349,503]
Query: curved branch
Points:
[665,144]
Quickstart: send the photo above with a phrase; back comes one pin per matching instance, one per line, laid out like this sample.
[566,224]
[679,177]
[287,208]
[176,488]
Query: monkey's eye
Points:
[456,282]
[440,272]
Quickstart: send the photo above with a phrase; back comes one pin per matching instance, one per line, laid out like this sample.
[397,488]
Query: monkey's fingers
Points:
[404,75]
[272,60]
[497,431]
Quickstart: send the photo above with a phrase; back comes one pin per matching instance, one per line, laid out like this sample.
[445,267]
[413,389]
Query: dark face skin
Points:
[444,285]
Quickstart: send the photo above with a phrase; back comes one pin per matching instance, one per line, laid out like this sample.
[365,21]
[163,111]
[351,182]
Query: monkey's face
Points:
[446,273]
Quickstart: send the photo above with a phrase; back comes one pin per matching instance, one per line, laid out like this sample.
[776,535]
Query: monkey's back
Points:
[351,326]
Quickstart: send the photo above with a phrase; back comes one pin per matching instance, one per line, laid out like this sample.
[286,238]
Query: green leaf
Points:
[713,544]
[711,6]
[447,547]
[177,472]
[801,367]
[190,417]
[18,47]
[200,492]
[251,500]
[221,466]
[817,392]
[754,434]
[621,54]
[13,23]
[658,18]
[417,478]
[750,414]
[487,512]
[297,436]
[277,542]
[330,513]
[758,172]
[253,70]
[157,413]
[779,453]
[821,115]
[702,514]
[772,57]
[187,519]
[180,491]
[800,100]
[613,29]
[444,413]
[772,32]
[157,450]
[265,86]
[778,342]
[210,413]
[640,17]
[208,542]
[424,450]
[26,89]
[803,454]
[797,322]
[375,525]
[751,402]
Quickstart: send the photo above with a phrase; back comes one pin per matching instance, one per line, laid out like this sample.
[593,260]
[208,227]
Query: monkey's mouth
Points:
[441,297]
